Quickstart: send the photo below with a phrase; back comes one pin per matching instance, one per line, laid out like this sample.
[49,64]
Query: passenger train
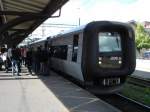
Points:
[100,55]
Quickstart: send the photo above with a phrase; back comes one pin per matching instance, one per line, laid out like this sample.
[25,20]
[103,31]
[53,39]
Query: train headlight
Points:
[100,62]
[120,62]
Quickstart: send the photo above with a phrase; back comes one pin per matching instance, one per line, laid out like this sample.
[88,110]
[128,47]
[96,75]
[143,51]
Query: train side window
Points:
[63,52]
[59,51]
[75,48]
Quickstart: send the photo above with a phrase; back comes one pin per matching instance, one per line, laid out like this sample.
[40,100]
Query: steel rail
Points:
[139,81]
[125,104]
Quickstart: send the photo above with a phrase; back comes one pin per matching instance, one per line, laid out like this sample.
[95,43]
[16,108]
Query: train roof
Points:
[77,29]
[38,41]
[81,28]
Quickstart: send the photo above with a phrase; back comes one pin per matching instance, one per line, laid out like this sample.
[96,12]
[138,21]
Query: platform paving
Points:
[142,74]
[52,93]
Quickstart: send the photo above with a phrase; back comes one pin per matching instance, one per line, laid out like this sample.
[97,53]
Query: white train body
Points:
[85,54]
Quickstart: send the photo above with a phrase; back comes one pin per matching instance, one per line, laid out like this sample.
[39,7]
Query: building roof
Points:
[18,18]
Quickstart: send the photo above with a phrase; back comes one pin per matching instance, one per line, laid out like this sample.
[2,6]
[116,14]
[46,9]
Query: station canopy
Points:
[19,18]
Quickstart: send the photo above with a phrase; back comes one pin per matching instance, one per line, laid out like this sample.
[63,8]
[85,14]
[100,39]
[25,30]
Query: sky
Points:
[96,10]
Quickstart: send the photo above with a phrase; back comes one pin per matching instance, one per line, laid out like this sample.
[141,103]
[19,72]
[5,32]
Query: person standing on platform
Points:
[37,60]
[6,60]
[34,59]
[44,61]
[15,59]
[9,53]
[24,55]
[29,60]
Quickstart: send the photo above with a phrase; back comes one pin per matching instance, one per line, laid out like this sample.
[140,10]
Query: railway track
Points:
[139,81]
[124,104]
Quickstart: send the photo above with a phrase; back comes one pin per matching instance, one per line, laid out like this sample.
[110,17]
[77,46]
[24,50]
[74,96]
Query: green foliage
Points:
[142,38]
[137,93]
[147,90]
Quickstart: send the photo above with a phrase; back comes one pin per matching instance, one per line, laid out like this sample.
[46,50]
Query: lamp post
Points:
[79,20]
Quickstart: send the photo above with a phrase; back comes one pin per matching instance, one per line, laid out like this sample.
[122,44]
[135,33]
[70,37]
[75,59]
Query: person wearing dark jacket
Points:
[15,59]
[29,60]
[37,56]
[44,62]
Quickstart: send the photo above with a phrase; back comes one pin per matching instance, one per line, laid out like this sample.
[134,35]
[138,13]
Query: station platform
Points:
[142,69]
[32,93]
[141,74]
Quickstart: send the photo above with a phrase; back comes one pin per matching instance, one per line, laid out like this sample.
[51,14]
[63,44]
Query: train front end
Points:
[109,55]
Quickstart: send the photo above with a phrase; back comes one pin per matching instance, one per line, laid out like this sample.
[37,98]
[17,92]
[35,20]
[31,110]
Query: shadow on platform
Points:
[48,92]
[74,97]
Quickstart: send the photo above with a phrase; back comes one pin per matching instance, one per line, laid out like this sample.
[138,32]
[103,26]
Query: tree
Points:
[142,38]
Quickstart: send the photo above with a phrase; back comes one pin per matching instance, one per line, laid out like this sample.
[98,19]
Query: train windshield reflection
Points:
[109,42]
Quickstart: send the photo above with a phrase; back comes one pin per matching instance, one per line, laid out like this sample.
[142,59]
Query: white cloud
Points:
[117,11]
[140,10]
[91,10]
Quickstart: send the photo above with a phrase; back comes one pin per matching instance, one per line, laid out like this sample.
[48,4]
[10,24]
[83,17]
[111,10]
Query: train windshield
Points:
[109,42]
[110,50]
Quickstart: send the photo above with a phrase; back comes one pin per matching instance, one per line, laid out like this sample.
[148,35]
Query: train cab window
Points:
[109,42]
[110,50]
[75,48]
